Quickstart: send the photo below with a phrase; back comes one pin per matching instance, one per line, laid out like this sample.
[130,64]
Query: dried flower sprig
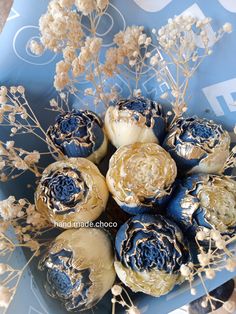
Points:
[174,49]
[172,56]
[17,114]
[215,254]
[74,33]
[121,296]
[28,226]
[177,42]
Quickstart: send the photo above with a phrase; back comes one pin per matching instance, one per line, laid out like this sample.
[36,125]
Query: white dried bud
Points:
[3,90]
[133,310]
[3,268]
[203,259]
[204,304]
[21,89]
[10,144]
[227,28]
[5,296]
[230,265]
[185,270]
[210,273]
[3,99]
[215,235]
[220,244]
[13,89]
[137,92]
[116,290]
[193,291]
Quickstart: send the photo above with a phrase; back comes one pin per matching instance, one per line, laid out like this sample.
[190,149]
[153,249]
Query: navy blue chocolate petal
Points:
[61,189]
[60,274]
[77,133]
[148,242]
[184,165]
[195,131]
[188,220]
[159,128]
[152,205]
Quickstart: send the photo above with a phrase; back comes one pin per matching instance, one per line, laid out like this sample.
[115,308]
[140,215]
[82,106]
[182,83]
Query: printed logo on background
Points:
[229,5]
[220,96]
[152,5]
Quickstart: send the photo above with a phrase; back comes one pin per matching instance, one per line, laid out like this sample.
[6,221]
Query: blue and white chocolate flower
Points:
[135,120]
[202,202]
[71,191]
[140,177]
[79,268]
[150,251]
[198,145]
[79,133]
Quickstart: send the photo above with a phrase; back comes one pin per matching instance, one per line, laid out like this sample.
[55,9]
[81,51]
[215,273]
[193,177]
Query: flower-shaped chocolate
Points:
[141,176]
[204,201]
[198,145]
[150,251]
[79,268]
[71,191]
[135,120]
[79,133]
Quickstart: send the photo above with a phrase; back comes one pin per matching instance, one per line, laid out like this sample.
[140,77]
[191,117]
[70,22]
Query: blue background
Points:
[213,92]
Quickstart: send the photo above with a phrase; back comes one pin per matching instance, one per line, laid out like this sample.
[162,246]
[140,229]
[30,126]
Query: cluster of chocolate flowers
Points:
[151,253]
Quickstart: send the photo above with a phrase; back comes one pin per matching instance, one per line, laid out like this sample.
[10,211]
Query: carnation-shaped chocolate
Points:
[140,177]
[204,201]
[71,191]
[198,145]
[79,133]
[135,120]
[79,268]
[150,251]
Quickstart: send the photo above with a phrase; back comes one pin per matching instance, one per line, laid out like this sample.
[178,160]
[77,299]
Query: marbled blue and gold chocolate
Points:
[135,120]
[204,201]
[79,133]
[150,251]
[79,268]
[71,191]
[198,145]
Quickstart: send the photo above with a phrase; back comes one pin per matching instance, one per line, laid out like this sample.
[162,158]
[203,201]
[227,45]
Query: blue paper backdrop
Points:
[213,93]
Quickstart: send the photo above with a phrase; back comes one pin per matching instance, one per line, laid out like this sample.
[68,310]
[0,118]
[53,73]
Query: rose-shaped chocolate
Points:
[141,176]
[150,251]
[79,133]
[204,201]
[79,268]
[198,145]
[135,120]
[71,191]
